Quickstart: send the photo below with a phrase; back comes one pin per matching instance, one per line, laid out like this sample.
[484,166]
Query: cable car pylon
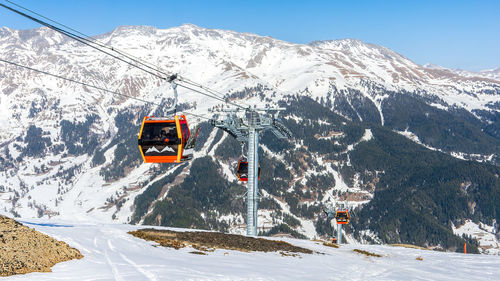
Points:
[245,125]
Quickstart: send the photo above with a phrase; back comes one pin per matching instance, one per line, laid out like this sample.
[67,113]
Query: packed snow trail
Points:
[112,254]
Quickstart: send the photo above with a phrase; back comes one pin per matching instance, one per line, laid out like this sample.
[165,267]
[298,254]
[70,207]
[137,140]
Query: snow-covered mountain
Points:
[224,60]
[61,142]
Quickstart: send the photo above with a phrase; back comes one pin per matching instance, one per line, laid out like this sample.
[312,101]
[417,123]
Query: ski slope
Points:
[112,254]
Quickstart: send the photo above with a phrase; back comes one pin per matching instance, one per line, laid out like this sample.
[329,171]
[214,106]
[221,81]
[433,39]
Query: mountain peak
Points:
[141,29]
[338,43]
[5,30]
[191,26]
[349,44]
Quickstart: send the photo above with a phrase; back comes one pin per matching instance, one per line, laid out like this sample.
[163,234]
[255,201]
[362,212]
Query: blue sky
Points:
[455,34]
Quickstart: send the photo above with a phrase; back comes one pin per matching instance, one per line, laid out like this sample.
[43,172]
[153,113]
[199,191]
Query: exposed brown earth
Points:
[24,250]
[332,245]
[208,241]
[370,254]
[408,246]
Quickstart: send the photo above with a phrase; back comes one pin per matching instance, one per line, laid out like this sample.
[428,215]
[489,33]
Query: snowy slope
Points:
[112,254]
[485,234]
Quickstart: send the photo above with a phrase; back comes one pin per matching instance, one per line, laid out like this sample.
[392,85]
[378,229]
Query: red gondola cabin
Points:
[242,170]
[342,216]
[164,140]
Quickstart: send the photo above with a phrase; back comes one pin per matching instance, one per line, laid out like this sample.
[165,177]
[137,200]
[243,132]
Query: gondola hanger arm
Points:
[173,108]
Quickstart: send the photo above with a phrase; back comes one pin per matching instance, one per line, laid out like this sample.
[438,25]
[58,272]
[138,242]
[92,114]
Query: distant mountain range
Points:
[490,73]
[371,128]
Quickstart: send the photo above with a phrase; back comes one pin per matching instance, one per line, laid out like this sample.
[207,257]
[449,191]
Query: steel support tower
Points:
[339,233]
[253,181]
[245,125]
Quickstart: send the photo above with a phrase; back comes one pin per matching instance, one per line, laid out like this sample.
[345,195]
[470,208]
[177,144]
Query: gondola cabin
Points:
[242,170]
[342,216]
[164,140]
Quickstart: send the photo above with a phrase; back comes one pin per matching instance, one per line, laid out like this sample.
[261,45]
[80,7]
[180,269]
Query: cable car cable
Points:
[188,81]
[77,82]
[79,39]
[216,93]
[92,86]
[208,95]
[90,38]
[89,43]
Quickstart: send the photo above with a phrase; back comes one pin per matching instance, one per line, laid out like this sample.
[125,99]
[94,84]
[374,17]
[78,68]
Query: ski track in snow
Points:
[112,254]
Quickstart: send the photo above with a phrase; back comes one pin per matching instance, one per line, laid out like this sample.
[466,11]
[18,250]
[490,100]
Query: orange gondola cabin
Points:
[242,170]
[165,140]
[342,216]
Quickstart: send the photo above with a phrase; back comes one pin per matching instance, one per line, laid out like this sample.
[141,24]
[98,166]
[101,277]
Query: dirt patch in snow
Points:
[331,245]
[370,254]
[408,246]
[208,241]
[24,250]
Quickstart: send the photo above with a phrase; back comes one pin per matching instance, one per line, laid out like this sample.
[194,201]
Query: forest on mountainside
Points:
[419,194]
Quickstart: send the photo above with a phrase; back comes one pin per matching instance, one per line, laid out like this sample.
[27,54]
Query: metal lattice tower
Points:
[245,125]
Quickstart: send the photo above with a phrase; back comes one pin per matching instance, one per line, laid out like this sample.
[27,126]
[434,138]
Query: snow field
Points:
[112,254]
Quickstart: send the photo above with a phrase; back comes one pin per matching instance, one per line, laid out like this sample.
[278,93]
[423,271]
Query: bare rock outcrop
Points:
[24,250]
